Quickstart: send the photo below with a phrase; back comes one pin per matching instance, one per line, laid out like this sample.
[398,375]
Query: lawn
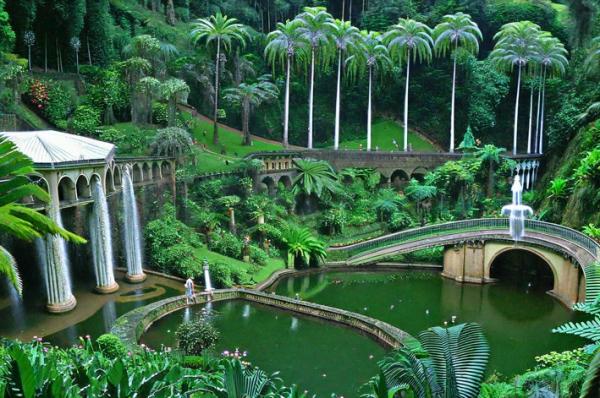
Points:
[384,131]
[230,140]
[257,273]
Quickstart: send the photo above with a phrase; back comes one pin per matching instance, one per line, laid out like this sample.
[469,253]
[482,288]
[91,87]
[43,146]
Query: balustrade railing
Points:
[482,224]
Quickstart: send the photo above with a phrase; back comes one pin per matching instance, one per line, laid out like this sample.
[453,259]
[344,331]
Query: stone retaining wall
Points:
[133,324]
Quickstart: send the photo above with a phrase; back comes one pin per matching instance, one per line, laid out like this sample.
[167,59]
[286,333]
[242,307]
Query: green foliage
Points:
[303,248]
[172,141]
[558,188]
[197,336]
[314,177]
[334,220]
[589,168]
[111,346]
[86,120]
[400,220]
[129,139]
[226,244]
[592,231]
[7,36]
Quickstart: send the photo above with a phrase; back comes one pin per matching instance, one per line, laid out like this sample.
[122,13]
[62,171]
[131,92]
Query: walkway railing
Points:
[482,224]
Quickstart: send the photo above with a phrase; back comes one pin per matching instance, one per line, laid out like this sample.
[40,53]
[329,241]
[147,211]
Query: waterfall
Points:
[52,251]
[133,244]
[100,234]
[17,309]
[207,283]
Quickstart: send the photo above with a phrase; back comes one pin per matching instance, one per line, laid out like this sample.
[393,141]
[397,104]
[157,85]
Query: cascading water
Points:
[207,283]
[100,234]
[517,212]
[133,243]
[52,251]
[17,309]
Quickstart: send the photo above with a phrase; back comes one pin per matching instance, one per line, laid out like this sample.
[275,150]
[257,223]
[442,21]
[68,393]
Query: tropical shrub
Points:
[258,255]
[111,346]
[129,141]
[86,120]
[194,337]
[226,244]
[60,103]
[589,168]
[592,231]
[159,113]
[400,220]
[171,141]
[303,248]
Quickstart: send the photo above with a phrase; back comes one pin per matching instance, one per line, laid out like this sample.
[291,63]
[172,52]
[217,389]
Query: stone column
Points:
[465,262]
[54,258]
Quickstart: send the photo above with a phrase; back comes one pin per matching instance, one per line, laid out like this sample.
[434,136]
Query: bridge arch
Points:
[419,173]
[146,176]
[156,171]
[269,183]
[286,181]
[138,175]
[165,169]
[109,181]
[117,177]
[532,267]
[399,177]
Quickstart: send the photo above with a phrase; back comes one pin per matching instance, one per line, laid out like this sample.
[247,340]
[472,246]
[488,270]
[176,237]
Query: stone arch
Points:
[40,182]
[399,177]
[138,175]
[541,264]
[117,177]
[156,171]
[109,182]
[146,172]
[285,180]
[419,173]
[66,189]
[269,182]
[83,187]
[165,169]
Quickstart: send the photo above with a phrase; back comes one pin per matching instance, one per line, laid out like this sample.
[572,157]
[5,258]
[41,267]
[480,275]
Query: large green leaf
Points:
[22,377]
[591,385]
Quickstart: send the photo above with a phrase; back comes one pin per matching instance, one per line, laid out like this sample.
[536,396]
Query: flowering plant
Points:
[37,92]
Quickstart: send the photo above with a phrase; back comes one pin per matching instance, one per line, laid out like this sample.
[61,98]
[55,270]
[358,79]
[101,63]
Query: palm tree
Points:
[135,68]
[18,220]
[405,40]
[302,246]
[516,45]
[369,54]
[224,31]
[492,155]
[552,56]
[314,177]
[283,45]
[387,202]
[420,193]
[250,96]
[313,28]
[454,367]
[171,141]
[456,30]
[344,36]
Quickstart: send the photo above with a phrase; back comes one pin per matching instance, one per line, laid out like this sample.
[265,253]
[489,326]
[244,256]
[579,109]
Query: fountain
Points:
[133,245]
[517,212]
[101,241]
[207,284]
[17,308]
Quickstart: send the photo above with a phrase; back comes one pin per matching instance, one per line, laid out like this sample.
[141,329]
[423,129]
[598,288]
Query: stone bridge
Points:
[393,165]
[471,246]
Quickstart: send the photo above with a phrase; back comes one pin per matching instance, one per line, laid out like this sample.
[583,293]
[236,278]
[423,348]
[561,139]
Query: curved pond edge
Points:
[130,326]
[276,276]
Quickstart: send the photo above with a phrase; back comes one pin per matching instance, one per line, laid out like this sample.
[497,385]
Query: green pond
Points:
[316,355]
[517,321]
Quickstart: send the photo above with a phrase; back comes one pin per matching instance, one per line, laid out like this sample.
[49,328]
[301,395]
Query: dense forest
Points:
[130,60]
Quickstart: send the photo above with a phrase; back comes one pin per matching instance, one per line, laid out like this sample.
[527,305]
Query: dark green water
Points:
[318,356]
[517,322]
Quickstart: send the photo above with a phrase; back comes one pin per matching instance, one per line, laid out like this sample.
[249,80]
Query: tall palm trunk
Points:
[490,187]
[215,117]
[530,130]
[369,110]
[406,103]
[310,99]
[537,120]
[336,139]
[542,113]
[286,111]
[516,112]
[246,122]
[452,133]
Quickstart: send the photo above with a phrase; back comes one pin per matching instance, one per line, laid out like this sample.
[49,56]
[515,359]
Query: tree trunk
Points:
[452,112]
[537,120]
[542,114]
[286,111]
[406,103]
[343,9]
[336,139]
[310,99]
[46,53]
[350,11]
[29,56]
[77,60]
[369,109]
[216,114]
[170,12]
[87,39]
[516,121]
[246,122]
[490,188]
[530,130]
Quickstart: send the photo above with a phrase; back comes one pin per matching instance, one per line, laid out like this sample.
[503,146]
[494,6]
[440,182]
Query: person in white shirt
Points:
[190,296]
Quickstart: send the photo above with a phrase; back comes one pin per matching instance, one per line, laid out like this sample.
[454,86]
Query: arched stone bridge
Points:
[393,165]
[471,246]
[72,180]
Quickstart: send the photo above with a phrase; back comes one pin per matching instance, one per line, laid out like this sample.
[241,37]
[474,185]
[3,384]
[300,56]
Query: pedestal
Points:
[107,289]
[57,308]
[137,278]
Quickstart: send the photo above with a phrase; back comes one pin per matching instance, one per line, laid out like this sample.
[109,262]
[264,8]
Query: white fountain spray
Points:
[17,309]
[207,284]
[517,212]
[133,242]
[100,233]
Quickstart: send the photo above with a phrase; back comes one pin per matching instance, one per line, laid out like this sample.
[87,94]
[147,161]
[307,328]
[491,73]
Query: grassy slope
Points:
[258,274]
[384,131]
